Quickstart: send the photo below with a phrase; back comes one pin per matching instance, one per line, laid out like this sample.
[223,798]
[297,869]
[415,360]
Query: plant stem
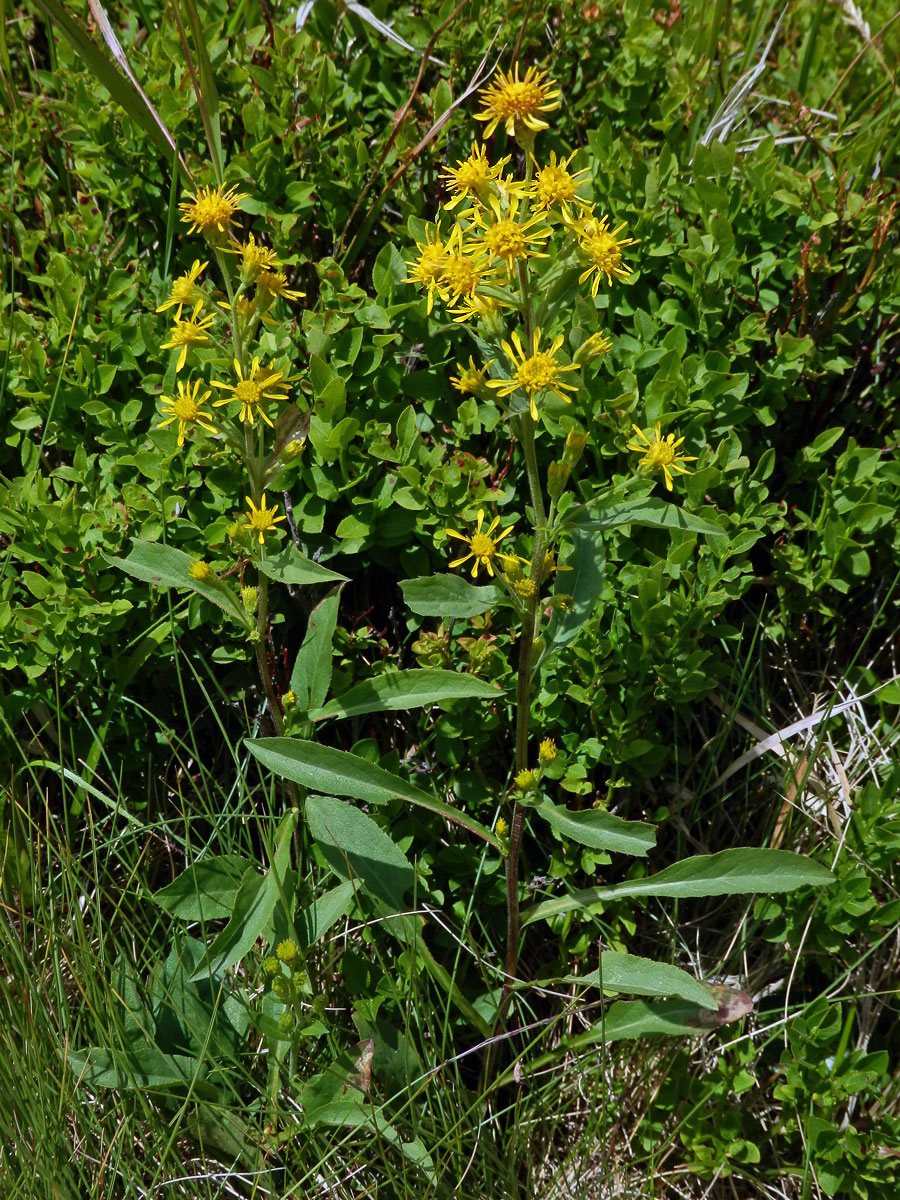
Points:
[523,707]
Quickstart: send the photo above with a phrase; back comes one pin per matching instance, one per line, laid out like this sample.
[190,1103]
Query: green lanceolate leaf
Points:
[449,596]
[290,566]
[356,848]
[166,566]
[253,907]
[738,872]
[584,583]
[324,769]
[311,676]
[400,690]
[600,830]
[675,1018]
[644,977]
[649,510]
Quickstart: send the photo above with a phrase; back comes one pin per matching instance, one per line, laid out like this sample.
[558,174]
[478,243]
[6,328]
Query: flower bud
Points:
[286,1021]
[596,346]
[289,700]
[525,780]
[249,599]
[287,951]
[557,478]
[574,448]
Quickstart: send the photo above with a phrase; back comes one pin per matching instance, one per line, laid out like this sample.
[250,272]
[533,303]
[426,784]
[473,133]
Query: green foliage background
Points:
[763,314]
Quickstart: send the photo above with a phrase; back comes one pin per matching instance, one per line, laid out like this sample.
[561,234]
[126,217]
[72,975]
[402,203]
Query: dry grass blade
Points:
[729,111]
[121,84]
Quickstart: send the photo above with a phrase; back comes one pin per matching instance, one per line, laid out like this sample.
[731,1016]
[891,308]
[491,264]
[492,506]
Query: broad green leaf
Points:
[738,872]
[315,921]
[290,566]
[584,583]
[449,596]
[648,510]
[356,848]
[644,977]
[167,566]
[600,830]
[120,1069]
[326,770]
[400,690]
[311,676]
[206,891]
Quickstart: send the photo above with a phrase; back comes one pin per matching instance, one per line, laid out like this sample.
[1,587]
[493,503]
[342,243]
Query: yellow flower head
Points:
[201,571]
[185,291]
[261,385]
[482,545]
[187,409]
[429,267]
[602,248]
[501,828]
[536,372]
[484,308]
[465,268]
[262,519]
[184,334]
[516,102]
[555,186]
[255,259]
[211,211]
[471,378]
[662,453]
[273,283]
[504,236]
[525,780]
[546,751]
[472,177]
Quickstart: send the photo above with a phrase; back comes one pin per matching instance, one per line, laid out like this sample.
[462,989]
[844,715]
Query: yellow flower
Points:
[261,385]
[210,212]
[471,378]
[535,372]
[502,236]
[465,268]
[273,283]
[482,545]
[255,259]
[485,308]
[201,571]
[546,751]
[185,290]
[525,780]
[524,588]
[193,332]
[501,828]
[555,186]
[429,268]
[602,247]
[262,519]
[289,700]
[472,176]
[186,409]
[516,102]
[662,452]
